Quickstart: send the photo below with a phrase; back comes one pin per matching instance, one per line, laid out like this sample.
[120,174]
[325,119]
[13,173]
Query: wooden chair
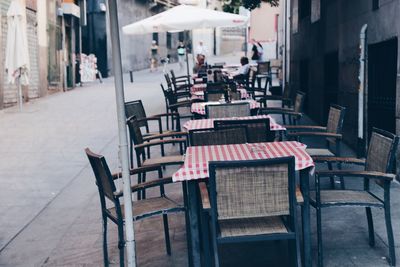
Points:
[112,209]
[285,98]
[143,157]
[206,137]
[378,167]
[294,113]
[228,110]
[243,211]
[332,134]
[212,96]
[258,130]
[181,83]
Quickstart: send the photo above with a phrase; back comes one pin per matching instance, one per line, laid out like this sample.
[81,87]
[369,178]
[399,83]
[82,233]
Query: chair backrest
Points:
[217,86]
[258,130]
[235,95]
[104,179]
[168,80]
[218,76]
[134,132]
[135,108]
[251,189]
[215,95]
[287,91]
[381,151]
[335,119]
[206,137]
[251,78]
[228,110]
[263,67]
[299,101]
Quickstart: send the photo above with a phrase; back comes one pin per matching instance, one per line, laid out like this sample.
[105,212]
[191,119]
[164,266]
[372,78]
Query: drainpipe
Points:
[362,95]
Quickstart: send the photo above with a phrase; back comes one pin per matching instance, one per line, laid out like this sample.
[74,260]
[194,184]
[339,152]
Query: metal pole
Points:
[362,134]
[19,91]
[123,139]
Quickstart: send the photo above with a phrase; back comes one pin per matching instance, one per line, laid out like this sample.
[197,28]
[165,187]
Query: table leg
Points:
[305,212]
[192,210]
[187,223]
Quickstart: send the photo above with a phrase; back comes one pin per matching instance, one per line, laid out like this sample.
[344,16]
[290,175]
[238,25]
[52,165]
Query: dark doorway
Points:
[331,81]
[304,82]
[382,72]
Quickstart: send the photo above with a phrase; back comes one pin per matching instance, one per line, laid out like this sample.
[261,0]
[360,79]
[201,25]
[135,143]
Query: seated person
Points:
[243,71]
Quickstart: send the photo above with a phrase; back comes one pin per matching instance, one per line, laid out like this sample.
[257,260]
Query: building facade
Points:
[325,61]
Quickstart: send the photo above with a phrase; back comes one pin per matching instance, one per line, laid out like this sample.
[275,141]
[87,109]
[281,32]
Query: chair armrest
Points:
[160,142]
[356,161]
[149,184]
[150,118]
[280,111]
[366,174]
[277,97]
[149,168]
[305,127]
[314,134]
[165,114]
[172,134]
[181,104]
[205,200]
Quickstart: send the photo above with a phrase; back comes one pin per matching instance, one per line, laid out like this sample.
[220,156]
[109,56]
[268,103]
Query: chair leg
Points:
[332,179]
[319,238]
[105,249]
[389,229]
[166,234]
[121,244]
[293,253]
[144,190]
[371,231]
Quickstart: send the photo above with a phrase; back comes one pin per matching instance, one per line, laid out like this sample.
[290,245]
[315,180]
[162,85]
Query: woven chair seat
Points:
[150,207]
[163,160]
[321,152]
[345,197]
[251,226]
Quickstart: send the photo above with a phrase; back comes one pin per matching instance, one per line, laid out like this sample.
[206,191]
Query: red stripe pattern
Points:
[200,107]
[198,157]
[209,123]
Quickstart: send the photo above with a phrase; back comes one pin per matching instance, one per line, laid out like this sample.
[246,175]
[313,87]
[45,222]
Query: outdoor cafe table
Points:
[195,169]
[209,123]
[200,107]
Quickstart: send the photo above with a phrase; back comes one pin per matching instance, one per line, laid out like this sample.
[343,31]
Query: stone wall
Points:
[338,31]
[9,92]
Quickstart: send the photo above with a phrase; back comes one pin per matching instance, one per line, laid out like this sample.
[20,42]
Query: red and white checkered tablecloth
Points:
[209,123]
[198,157]
[198,87]
[200,107]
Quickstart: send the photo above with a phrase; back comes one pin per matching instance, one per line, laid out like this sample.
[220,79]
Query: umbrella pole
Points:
[187,63]
[123,139]
[19,91]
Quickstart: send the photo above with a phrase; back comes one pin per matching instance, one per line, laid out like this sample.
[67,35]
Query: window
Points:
[155,37]
[169,40]
[181,36]
[304,9]
[375,4]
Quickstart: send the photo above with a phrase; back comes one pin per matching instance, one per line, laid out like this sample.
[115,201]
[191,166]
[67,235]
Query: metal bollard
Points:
[131,75]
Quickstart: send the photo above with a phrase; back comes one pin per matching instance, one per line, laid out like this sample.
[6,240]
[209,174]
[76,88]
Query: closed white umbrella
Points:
[17,56]
[185,17]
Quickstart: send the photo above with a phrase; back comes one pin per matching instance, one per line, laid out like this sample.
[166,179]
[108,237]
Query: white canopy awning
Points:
[185,17]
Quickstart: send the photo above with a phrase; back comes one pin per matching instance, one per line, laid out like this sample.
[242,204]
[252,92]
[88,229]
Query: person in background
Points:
[181,54]
[243,71]
[201,53]
[256,51]
[153,56]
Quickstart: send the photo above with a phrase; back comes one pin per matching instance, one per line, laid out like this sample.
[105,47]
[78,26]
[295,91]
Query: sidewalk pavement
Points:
[49,204]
